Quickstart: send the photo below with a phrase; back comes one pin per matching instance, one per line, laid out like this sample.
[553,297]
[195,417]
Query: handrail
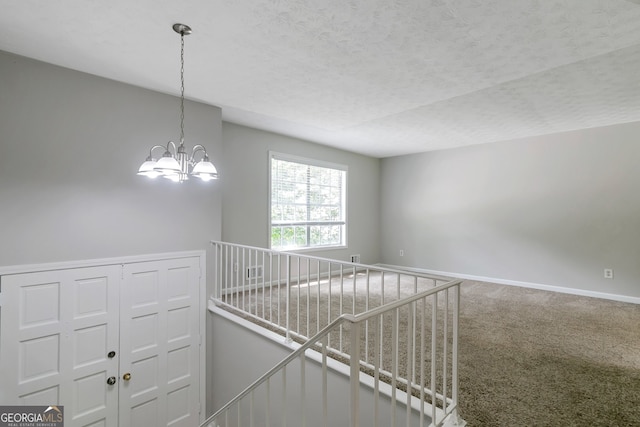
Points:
[310,343]
[323,333]
[333,261]
[404,301]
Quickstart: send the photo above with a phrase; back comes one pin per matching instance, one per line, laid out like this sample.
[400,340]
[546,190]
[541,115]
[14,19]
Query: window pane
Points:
[301,193]
[300,213]
[276,233]
[316,236]
[326,235]
[287,238]
[320,213]
[301,236]
[276,212]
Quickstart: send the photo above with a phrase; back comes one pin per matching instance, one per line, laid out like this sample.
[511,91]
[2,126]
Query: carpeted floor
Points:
[536,358]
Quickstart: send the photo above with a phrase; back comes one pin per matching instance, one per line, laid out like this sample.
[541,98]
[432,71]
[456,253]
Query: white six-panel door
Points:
[160,342]
[57,329]
[65,335]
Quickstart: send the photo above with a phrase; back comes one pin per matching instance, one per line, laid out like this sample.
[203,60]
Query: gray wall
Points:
[245,190]
[70,147]
[552,210]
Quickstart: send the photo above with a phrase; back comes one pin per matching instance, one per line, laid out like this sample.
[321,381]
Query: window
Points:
[307,203]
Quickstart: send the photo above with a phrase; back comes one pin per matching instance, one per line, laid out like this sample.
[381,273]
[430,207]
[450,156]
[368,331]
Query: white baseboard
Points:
[552,288]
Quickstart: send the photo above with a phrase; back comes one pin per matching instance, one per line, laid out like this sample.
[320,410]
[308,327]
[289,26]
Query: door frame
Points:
[202,286]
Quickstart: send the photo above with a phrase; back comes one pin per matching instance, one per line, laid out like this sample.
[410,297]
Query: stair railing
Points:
[407,324]
[433,409]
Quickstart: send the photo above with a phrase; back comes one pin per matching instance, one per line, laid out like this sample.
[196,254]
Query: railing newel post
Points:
[287,301]
[454,361]
[354,377]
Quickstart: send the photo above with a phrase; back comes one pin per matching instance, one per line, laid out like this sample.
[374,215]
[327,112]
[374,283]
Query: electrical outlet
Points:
[401,252]
[608,273]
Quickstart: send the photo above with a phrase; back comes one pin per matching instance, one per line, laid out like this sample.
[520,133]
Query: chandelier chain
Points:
[181,87]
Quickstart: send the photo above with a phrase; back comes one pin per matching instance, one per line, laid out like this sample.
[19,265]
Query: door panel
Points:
[160,342]
[56,331]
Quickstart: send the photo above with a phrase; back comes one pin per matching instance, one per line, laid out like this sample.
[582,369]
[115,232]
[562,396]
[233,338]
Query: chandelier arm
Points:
[154,147]
[197,148]
[173,144]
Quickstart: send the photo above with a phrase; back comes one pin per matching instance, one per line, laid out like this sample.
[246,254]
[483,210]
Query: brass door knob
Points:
[126,376]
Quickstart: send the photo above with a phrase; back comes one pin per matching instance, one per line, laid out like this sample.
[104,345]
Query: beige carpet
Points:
[527,357]
[538,358]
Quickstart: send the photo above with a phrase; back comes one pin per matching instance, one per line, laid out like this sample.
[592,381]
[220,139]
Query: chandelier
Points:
[176,164]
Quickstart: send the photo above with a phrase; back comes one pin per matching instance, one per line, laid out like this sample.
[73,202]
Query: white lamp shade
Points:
[205,170]
[147,169]
[167,165]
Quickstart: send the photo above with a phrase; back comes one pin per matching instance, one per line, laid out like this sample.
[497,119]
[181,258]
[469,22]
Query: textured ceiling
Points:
[379,77]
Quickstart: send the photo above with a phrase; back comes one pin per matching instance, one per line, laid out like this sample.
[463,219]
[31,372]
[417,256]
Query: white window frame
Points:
[311,162]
